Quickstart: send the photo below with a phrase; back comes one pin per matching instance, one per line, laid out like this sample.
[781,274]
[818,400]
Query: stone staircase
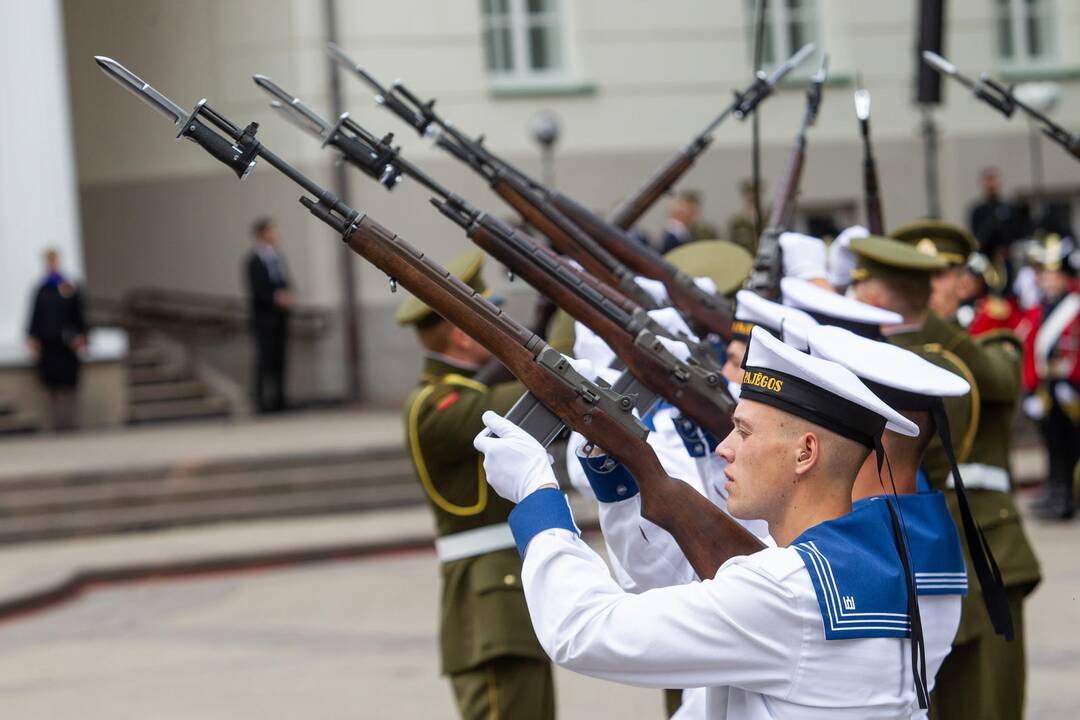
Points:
[161,389]
[96,503]
[13,420]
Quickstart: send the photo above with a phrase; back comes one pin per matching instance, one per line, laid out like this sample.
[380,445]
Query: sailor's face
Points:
[755,450]
[732,369]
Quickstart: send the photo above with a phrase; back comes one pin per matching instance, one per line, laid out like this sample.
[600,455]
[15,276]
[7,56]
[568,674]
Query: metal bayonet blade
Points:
[791,63]
[938,63]
[823,71]
[293,108]
[141,89]
[862,101]
[347,62]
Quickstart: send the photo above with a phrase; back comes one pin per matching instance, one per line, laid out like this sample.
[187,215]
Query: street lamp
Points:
[544,128]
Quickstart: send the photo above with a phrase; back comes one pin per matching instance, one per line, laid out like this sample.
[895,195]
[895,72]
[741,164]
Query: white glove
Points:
[590,346]
[515,463]
[735,389]
[679,349]
[574,471]
[584,367]
[706,284]
[841,258]
[672,320]
[1034,407]
[1065,393]
[655,288]
[803,255]
[608,375]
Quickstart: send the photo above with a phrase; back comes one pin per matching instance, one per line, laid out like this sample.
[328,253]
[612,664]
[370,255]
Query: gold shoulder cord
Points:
[418,459]
[976,404]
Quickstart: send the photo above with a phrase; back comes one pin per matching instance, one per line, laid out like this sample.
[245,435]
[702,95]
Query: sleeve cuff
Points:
[610,481]
[542,510]
[696,441]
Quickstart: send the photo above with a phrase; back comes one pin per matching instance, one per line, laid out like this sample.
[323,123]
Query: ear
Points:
[807,453]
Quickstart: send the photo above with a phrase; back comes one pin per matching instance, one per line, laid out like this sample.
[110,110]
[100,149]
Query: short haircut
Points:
[434,333]
[691,196]
[261,225]
[909,293]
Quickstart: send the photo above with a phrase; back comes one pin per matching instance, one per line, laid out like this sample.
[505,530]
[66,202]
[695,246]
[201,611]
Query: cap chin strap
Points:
[982,560]
[918,646]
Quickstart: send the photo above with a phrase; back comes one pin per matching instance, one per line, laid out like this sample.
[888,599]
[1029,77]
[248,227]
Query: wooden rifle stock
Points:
[659,183]
[707,536]
[703,396]
[567,237]
[709,312]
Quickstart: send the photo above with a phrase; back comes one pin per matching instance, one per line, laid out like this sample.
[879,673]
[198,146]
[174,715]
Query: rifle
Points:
[511,186]
[656,186]
[875,221]
[706,535]
[1004,100]
[557,215]
[768,262]
[696,390]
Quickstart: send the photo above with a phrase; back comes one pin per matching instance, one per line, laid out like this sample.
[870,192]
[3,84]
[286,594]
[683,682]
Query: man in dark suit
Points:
[57,334]
[268,287]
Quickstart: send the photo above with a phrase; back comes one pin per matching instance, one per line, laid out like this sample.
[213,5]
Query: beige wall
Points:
[158,212]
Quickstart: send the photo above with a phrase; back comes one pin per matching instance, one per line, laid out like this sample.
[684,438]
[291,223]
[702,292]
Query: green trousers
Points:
[983,677]
[506,688]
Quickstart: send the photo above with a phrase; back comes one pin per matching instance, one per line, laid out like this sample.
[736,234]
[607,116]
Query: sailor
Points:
[984,675]
[773,634]
[829,308]
[487,644]
[1052,371]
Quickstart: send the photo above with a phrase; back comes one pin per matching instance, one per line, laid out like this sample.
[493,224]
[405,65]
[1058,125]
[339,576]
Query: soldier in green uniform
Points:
[488,649]
[984,675]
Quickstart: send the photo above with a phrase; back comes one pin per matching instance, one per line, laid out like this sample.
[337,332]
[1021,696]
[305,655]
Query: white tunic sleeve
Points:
[743,628]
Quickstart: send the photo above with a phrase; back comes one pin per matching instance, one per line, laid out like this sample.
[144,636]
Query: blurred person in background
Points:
[684,222]
[741,226]
[268,289]
[1051,332]
[994,222]
[57,334]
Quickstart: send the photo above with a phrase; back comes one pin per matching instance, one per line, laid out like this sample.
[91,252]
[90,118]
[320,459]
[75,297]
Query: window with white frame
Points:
[525,42]
[1024,32]
[789,24]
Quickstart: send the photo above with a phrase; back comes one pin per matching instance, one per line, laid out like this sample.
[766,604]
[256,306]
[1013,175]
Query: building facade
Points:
[630,81]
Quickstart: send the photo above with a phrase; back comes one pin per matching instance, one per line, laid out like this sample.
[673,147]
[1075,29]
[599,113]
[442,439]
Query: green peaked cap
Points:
[725,263]
[951,243]
[888,258]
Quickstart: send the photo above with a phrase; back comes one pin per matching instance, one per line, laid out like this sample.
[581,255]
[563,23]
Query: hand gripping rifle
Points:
[510,186]
[768,263]
[638,203]
[1001,98]
[696,390]
[706,535]
[875,221]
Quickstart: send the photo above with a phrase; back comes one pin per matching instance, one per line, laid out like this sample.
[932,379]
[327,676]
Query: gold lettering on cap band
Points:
[762,380]
[741,327]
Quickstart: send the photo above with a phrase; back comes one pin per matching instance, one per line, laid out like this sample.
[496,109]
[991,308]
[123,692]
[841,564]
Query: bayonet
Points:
[294,109]
[141,89]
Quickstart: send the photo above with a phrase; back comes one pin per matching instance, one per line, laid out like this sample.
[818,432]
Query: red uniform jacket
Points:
[1051,334]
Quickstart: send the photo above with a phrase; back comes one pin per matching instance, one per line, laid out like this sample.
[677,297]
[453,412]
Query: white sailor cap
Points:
[751,309]
[900,377]
[830,308]
[821,391]
[804,256]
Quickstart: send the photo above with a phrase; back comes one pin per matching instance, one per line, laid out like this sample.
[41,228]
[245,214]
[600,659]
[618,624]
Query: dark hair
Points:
[261,225]
[691,196]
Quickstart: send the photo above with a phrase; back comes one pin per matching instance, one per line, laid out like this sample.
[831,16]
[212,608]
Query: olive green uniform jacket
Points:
[483,613]
[991,364]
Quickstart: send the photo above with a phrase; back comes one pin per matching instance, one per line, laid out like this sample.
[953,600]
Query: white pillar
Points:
[39,202]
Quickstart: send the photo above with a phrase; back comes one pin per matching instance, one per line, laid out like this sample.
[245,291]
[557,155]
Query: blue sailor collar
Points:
[937,559]
[857,574]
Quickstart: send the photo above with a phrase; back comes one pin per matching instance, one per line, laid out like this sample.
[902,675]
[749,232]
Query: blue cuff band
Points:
[696,441]
[610,481]
[542,510]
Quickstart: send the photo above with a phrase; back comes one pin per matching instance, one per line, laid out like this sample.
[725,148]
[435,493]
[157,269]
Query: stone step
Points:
[172,410]
[159,391]
[157,374]
[143,356]
[16,422]
[184,488]
[127,519]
